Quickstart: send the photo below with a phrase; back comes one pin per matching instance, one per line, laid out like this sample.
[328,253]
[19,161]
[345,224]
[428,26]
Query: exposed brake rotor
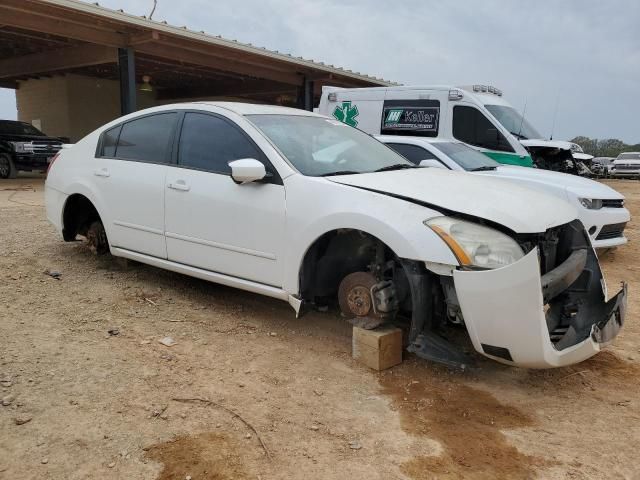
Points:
[356,303]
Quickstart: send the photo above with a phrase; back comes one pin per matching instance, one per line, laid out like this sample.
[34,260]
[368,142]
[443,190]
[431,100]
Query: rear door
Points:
[129,173]
[213,223]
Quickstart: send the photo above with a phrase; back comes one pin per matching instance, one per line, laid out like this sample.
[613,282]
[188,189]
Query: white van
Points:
[477,115]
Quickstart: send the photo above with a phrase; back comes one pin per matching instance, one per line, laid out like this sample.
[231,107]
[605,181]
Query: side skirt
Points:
[214,277]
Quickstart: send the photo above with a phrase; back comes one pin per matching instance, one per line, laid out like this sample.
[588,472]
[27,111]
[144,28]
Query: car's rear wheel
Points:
[97,238]
[7,167]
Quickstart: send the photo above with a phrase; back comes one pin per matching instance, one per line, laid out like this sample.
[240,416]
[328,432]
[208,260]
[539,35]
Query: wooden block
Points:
[378,349]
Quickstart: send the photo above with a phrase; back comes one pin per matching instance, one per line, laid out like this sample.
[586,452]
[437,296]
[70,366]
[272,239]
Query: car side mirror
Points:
[247,170]
[431,162]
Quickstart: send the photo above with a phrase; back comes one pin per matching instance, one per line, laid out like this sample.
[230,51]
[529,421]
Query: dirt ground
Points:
[251,392]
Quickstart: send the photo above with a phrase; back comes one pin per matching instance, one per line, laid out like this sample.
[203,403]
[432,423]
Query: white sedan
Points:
[300,207]
[600,208]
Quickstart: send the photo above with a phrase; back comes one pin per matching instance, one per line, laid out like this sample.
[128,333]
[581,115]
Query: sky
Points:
[577,61]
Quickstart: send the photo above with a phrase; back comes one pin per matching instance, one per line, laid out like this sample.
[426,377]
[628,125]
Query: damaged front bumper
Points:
[518,317]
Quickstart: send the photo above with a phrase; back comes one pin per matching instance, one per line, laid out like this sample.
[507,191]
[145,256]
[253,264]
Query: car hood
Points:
[520,209]
[26,138]
[535,142]
[626,161]
[580,186]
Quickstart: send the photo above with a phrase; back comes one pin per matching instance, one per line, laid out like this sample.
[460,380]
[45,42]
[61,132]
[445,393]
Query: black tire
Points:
[7,167]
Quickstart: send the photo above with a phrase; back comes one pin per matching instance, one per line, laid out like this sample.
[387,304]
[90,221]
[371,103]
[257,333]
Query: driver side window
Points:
[472,127]
[209,143]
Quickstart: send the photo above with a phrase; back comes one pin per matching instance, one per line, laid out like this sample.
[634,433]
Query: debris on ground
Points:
[53,274]
[167,341]
[355,445]
[8,400]
[22,419]
[113,331]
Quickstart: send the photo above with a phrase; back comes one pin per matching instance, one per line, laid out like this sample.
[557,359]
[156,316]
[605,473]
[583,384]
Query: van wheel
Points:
[7,168]
[97,238]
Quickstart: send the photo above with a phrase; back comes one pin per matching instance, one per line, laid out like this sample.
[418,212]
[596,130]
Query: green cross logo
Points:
[393,116]
[346,113]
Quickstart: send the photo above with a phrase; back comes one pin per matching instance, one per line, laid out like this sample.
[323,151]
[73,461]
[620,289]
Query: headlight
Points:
[476,245]
[591,203]
[22,147]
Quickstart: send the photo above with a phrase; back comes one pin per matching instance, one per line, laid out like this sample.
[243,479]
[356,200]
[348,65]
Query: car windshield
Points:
[511,119]
[318,146]
[467,157]
[629,156]
[19,128]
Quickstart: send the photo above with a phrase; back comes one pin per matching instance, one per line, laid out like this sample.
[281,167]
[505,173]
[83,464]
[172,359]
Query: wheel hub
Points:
[359,300]
[354,295]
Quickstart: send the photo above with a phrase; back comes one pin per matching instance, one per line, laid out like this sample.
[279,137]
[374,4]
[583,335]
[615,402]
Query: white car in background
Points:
[626,164]
[600,208]
[303,208]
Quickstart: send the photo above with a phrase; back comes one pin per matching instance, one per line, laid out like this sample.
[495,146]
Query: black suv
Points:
[24,147]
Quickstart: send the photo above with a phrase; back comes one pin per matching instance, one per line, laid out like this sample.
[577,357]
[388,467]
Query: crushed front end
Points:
[547,310]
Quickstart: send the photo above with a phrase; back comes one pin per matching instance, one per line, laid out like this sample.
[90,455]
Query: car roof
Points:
[236,107]
[417,138]
[258,109]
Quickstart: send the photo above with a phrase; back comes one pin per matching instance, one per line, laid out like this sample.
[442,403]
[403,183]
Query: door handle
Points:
[179,185]
[101,172]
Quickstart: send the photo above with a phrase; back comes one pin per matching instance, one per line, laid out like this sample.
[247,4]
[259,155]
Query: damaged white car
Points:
[303,208]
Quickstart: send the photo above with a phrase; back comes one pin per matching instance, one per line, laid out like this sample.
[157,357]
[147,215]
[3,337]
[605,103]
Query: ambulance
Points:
[477,115]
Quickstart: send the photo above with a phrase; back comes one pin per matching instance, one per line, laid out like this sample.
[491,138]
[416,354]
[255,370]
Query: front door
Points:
[213,223]
[471,126]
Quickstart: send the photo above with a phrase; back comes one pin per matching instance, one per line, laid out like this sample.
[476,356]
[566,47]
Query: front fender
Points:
[395,222]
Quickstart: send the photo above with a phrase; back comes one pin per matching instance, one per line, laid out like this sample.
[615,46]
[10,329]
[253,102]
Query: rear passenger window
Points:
[110,141]
[413,153]
[472,127]
[147,139]
[210,143]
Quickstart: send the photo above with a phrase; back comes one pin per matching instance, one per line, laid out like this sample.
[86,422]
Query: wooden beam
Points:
[250,87]
[29,20]
[12,85]
[145,37]
[200,58]
[59,59]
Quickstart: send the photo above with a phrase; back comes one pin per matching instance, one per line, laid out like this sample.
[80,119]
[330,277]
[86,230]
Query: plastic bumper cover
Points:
[504,311]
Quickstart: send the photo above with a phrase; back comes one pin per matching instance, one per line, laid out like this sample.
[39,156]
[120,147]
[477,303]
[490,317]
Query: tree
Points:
[608,147]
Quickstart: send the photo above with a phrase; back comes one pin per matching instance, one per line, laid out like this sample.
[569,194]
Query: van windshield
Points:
[468,158]
[511,119]
[318,147]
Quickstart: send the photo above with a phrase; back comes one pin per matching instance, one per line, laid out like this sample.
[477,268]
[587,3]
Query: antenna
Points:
[555,114]
[155,3]
[524,111]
